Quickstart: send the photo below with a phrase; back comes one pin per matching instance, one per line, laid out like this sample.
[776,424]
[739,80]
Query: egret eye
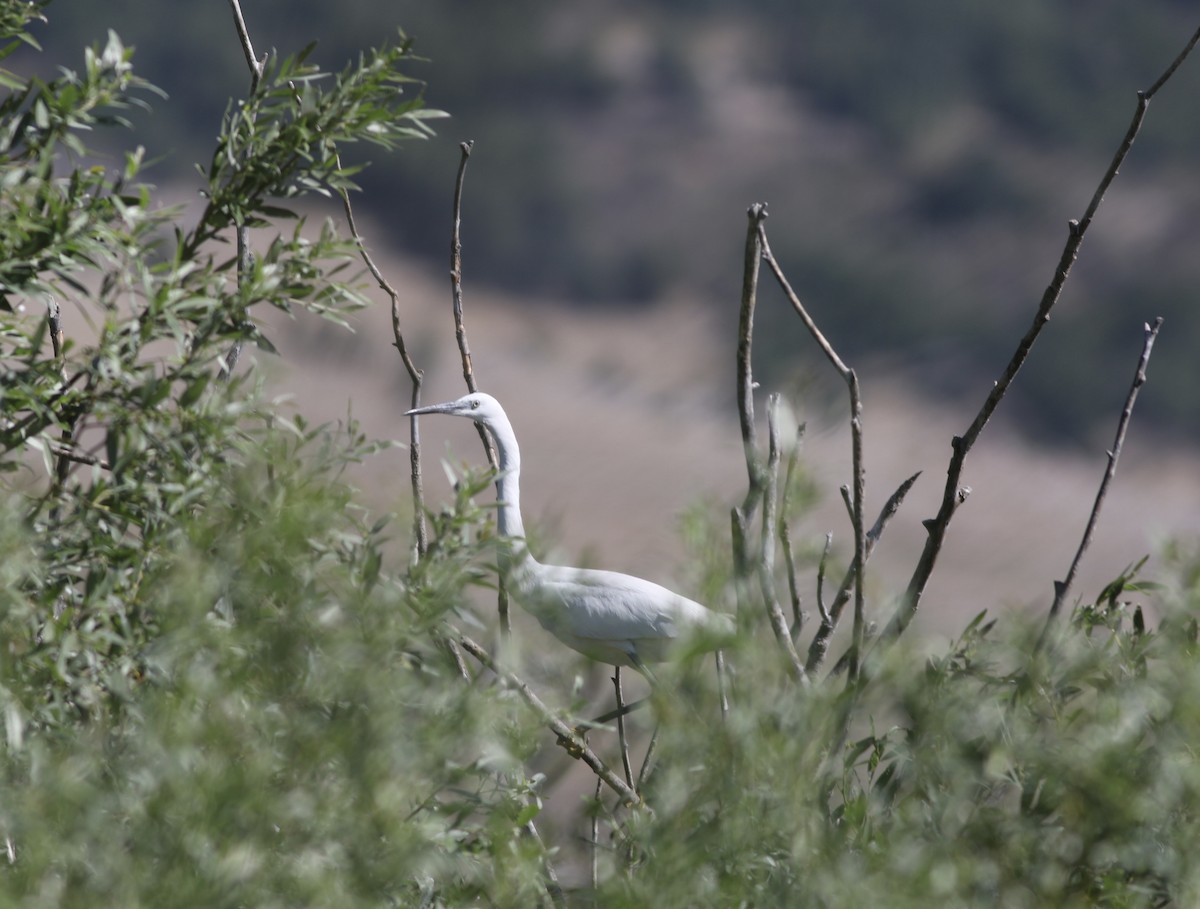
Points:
[474,405]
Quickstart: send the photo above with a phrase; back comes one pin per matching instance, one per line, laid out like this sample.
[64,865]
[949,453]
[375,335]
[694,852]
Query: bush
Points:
[222,683]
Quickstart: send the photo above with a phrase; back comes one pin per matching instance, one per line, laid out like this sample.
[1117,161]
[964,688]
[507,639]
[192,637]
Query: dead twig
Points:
[856,447]
[954,493]
[568,739]
[829,616]
[741,515]
[253,63]
[785,535]
[464,350]
[415,375]
[766,561]
[1139,379]
[66,454]
[57,341]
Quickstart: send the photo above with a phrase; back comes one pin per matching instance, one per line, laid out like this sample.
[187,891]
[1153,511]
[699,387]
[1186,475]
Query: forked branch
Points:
[762,477]
[856,445]
[954,492]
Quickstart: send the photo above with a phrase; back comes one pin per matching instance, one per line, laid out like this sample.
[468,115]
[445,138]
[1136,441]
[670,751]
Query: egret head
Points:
[478,406]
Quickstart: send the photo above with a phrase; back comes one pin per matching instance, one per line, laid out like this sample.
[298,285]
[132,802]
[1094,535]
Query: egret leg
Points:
[721,687]
[647,766]
[595,863]
[621,727]
[618,712]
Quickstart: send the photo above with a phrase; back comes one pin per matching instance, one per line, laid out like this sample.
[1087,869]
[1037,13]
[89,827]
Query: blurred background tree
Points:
[921,162]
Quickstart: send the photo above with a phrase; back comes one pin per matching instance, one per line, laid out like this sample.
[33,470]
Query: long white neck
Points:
[508,482]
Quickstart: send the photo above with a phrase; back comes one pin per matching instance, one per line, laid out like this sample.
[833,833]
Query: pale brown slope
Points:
[623,425]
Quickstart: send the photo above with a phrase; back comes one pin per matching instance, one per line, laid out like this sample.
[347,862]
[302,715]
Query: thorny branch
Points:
[1062,587]
[953,494]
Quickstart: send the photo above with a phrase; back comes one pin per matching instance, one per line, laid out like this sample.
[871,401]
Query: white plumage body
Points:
[611,617]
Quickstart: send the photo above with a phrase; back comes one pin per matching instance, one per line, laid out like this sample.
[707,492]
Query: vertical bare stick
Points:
[766,561]
[460,330]
[595,840]
[624,742]
[745,374]
[57,341]
[254,64]
[722,693]
[464,349]
[785,535]
[553,887]
[822,609]
[1061,588]
[245,259]
[819,645]
[953,494]
[740,515]
[856,448]
[415,376]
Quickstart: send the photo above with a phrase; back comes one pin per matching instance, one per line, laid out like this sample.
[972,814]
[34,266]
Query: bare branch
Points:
[460,330]
[255,65]
[415,376]
[961,445]
[785,534]
[67,436]
[722,693]
[464,349]
[572,743]
[766,561]
[856,447]
[741,515]
[822,609]
[829,617]
[1139,379]
[66,454]
[757,213]
[554,889]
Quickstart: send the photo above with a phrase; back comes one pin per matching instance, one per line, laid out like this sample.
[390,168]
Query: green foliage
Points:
[220,683]
[129,391]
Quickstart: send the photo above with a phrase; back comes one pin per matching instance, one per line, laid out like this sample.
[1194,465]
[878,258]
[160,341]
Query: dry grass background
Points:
[627,420]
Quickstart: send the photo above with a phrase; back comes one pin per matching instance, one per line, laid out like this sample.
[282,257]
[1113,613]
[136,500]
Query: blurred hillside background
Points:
[921,160]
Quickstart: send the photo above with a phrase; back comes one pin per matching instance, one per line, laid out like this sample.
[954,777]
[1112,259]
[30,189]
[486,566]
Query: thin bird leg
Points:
[721,686]
[621,727]
[595,841]
[614,714]
[647,766]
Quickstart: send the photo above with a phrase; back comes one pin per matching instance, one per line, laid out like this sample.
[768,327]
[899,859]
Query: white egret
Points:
[611,617]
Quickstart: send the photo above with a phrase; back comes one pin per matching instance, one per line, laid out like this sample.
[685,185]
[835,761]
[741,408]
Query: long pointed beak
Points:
[432,408]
